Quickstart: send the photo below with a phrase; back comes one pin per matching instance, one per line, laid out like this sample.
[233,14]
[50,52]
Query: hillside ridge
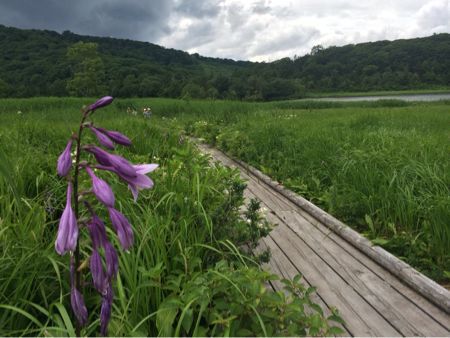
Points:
[34,63]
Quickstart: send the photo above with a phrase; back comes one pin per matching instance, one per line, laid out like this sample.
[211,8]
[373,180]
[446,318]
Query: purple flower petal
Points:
[104,101]
[145,168]
[122,227]
[120,164]
[97,232]
[65,161]
[112,261]
[98,275]
[140,181]
[102,138]
[117,137]
[101,189]
[78,306]
[101,156]
[105,312]
[67,237]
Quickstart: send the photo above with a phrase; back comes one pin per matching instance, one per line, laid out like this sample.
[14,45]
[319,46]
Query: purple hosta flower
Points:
[120,164]
[104,101]
[105,312]
[101,156]
[67,237]
[122,227]
[98,274]
[102,138]
[97,231]
[140,181]
[117,137]
[65,161]
[112,261]
[78,306]
[101,189]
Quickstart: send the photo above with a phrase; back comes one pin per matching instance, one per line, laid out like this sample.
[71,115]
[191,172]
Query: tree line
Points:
[46,63]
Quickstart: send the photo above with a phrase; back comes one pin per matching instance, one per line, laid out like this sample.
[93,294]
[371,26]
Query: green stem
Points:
[76,211]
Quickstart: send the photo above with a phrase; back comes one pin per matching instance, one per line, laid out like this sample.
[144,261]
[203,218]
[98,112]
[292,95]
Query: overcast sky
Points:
[257,30]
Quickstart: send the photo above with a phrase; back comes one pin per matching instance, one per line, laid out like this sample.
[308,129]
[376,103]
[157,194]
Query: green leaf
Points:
[334,331]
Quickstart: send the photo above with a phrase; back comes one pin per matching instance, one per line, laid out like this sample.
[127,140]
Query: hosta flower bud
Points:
[103,139]
[122,227]
[104,101]
[97,232]
[67,237]
[117,137]
[112,261]
[105,312]
[98,274]
[78,306]
[101,189]
[65,161]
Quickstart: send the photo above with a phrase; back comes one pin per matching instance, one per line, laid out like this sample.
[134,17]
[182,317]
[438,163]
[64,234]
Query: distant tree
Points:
[4,89]
[88,70]
[193,91]
[316,49]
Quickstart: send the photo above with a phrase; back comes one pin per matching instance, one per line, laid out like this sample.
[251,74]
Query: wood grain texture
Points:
[371,293]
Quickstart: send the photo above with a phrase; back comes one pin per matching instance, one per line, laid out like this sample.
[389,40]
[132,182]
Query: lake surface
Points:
[412,97]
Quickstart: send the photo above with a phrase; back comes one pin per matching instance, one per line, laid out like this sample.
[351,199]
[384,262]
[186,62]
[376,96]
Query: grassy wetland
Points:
[184,275]
[382,167]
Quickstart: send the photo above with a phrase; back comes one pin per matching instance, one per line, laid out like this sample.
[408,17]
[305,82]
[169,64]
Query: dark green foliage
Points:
[224,301]
[88,70]
[35,63]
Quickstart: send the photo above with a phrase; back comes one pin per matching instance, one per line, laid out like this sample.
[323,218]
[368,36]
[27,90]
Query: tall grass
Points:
[182,231]
[382,167]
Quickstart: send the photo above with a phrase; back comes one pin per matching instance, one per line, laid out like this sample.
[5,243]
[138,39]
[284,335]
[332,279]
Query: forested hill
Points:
[36,62]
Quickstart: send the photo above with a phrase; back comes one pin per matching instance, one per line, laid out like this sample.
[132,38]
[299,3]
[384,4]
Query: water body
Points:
[412,97]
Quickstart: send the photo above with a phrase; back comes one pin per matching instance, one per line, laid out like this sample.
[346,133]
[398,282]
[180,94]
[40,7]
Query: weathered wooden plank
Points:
[408,320]
[361,318]
[281,265]
[369,280]
[429,308]
[419,318]
[427,287]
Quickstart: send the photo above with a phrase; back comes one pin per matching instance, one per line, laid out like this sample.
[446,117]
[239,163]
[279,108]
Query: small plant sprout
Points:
[104,263]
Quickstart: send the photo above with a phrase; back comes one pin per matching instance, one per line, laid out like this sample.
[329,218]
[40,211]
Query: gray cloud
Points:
[255,30]
[261,7]
[133,19]
[198,9]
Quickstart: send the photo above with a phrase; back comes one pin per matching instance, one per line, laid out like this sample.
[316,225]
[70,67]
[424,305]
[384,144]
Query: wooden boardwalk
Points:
[371,300]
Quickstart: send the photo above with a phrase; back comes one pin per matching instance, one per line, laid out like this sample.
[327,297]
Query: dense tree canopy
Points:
[35,62]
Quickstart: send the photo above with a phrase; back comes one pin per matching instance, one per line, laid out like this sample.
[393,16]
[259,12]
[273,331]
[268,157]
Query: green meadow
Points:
[187,273]
[382,167]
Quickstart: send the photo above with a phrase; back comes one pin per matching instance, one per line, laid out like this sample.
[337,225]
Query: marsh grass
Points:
[382,167]
[187,231]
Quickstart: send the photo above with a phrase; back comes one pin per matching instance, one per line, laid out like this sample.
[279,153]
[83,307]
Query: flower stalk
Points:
[69,226]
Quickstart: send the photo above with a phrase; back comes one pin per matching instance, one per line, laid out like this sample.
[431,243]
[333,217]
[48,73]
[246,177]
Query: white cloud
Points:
[259,30]
[265,30]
